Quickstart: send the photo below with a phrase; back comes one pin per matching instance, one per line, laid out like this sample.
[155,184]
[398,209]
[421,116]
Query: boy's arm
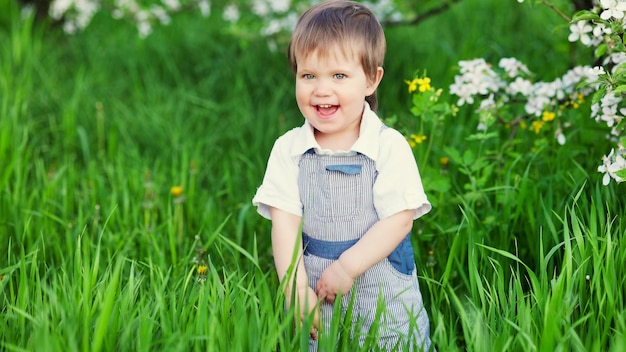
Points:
[377,243]
[287,249]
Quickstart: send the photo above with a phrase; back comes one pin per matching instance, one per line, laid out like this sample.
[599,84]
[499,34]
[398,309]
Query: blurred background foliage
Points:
[114,111]
[97,127]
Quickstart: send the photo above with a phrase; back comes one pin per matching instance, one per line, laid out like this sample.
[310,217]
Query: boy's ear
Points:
[373,84]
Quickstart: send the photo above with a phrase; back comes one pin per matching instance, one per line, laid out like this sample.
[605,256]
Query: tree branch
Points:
[559,12]
[420,18]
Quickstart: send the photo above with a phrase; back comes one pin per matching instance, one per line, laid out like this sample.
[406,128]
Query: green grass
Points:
[524,251]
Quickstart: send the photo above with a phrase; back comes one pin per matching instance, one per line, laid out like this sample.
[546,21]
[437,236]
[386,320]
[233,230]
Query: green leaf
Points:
[620,89]
[468,157]
[473,196]
[601,50]
[480,164]
[454,154]
[585,15]
[597,96]
[439,184]
[107,310]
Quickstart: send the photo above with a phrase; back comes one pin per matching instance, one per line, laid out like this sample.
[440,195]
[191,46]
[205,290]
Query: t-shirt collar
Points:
[367,144]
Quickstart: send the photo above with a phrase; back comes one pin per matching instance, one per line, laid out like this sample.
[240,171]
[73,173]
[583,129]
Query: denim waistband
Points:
[325,249]
[401,258]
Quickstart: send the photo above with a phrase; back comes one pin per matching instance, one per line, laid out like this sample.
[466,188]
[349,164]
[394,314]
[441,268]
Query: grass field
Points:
[524,250]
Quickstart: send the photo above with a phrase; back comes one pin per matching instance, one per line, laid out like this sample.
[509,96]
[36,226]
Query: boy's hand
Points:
[335,280]
[306,302]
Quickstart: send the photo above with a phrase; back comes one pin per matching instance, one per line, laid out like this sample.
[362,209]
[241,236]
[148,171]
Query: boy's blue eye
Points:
[340,76]
[308,76]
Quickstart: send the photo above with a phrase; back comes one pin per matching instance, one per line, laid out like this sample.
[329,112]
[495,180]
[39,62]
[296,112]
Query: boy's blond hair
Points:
[340,24]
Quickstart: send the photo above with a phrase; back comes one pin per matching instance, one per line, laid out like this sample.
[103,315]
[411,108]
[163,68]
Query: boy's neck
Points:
[335,142]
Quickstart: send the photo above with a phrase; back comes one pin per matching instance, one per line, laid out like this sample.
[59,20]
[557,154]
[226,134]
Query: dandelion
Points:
[201,271]
[430,261]
[444,162]
[176,191]
[415,139]
[536,126]
[548,116]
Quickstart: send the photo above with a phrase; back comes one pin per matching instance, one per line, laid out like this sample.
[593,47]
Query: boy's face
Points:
[330,92]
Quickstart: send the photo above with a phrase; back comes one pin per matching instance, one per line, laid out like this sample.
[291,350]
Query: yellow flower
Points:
[424,84]
[412,85]
[523,125]
[176,191]
[444,161]
[417,138]
[536,126]
[421,84]
[548,116]
[202,269]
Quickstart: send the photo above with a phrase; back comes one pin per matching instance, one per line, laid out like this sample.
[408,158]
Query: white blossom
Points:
[560,138]
[231,13]
[205,7]
[513,67]
[521,86]
[280,6]
[580,31]
[171,4]
[611,164]
[612,9]
[58,8]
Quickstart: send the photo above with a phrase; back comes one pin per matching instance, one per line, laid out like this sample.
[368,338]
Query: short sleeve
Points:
[398,186]
[280,183]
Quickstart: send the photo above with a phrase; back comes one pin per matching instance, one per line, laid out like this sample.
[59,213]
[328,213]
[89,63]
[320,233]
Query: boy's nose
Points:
[322,88]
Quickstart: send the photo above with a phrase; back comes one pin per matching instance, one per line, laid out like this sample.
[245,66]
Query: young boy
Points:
[350,182]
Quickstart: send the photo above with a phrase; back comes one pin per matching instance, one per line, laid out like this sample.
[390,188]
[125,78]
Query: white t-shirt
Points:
[398,185]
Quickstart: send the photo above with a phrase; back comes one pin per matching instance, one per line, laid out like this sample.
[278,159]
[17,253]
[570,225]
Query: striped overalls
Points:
[338,208]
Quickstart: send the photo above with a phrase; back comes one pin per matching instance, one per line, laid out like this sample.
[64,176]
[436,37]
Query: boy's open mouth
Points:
[326,109]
